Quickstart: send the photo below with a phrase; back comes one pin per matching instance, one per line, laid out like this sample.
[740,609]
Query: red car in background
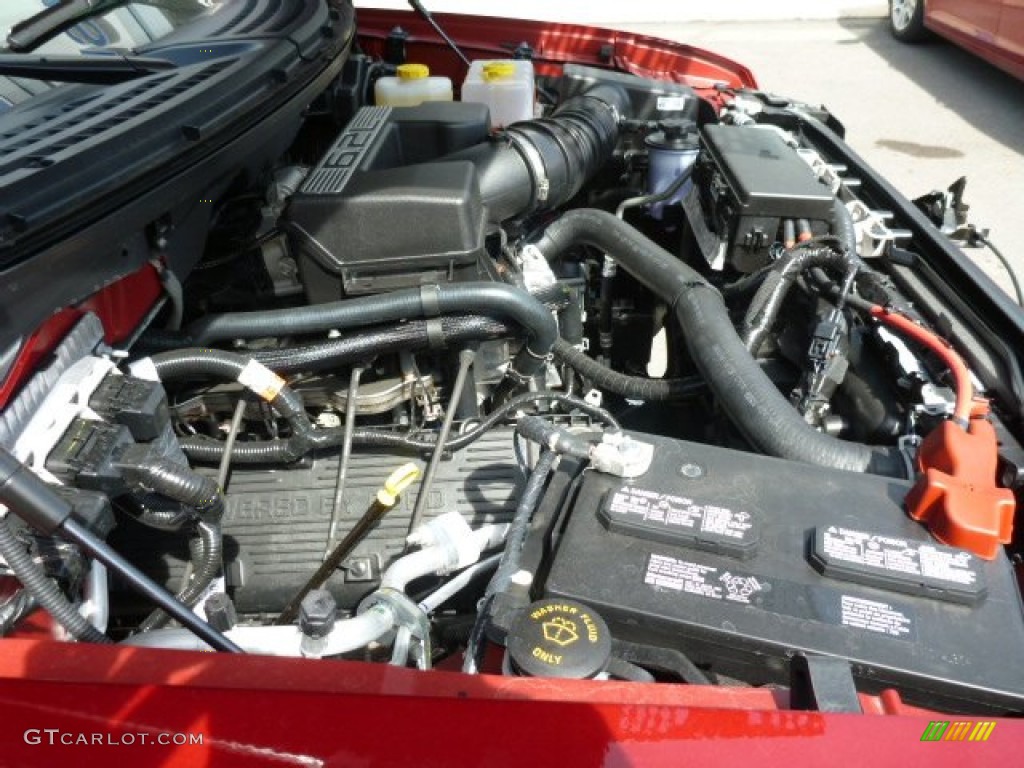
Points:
[991,29]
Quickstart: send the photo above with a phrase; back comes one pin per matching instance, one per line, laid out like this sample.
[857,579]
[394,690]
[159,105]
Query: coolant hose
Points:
[491,299]
[455,331]
[747,395]
[635,387]
[43,588]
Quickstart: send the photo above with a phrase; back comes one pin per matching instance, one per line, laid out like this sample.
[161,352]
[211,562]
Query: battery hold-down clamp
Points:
[956,493]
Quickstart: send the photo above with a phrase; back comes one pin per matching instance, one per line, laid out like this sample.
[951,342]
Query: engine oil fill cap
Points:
[559,638]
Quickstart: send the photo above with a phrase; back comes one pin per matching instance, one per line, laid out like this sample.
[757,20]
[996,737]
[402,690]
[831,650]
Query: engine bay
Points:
[627,389]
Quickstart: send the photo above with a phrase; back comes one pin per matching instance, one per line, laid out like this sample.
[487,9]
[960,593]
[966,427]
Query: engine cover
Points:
[742,560]
[276,523]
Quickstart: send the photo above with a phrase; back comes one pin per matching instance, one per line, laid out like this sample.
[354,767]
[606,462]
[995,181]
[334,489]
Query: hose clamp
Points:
[409,617]
[535,164]
[430,300]
[544,358]
[435,333]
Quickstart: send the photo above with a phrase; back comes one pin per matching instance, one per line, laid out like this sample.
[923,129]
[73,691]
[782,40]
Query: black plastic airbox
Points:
[741,561]
[378,213]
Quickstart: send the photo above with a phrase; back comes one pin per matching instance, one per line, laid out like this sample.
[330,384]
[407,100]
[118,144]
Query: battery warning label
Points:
[703,580]
[681,520]
[874,616]
[920,568]
[803,601]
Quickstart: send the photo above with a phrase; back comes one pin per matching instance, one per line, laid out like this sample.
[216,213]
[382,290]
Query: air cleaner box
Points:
[378,213]
[741,561]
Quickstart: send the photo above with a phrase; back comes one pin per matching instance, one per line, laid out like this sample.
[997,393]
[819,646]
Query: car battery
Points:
[742,561]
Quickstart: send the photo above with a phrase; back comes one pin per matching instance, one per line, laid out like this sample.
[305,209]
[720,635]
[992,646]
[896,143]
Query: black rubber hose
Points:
[43,589]
[620,669]
[669,660]
[208,553]
[207,451]
[227,366]
[746,394]
[542,164]
[635,387]
[491,299]
[455,331]
[767,302]
[520,525]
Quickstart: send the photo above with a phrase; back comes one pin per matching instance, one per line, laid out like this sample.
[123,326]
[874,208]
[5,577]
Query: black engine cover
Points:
[277,522]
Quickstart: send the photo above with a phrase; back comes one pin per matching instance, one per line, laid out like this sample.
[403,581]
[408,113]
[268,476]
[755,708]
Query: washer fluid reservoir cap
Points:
[559,638]
[413,71]
[498,70]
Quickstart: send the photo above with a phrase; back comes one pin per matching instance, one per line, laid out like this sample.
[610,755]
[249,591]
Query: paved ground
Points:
[922,115]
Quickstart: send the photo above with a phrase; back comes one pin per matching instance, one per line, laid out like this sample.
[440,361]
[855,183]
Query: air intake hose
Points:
[540,164]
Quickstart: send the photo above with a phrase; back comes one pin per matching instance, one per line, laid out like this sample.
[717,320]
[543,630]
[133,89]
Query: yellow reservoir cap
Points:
[413,71]
[498,70]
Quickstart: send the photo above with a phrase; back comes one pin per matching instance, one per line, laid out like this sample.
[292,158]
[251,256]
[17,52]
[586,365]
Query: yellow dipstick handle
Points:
[397,482]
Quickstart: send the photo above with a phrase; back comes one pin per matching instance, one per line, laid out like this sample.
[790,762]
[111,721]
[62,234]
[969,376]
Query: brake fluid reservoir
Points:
[413,85]
[506,86]
[671,152]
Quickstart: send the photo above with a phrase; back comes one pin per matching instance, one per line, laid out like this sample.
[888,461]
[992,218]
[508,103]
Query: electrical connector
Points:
[620,455]
[137,404]
[86,456]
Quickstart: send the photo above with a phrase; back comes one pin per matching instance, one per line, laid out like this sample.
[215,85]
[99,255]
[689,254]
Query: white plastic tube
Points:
[347,635]
[435,600]
[411,567]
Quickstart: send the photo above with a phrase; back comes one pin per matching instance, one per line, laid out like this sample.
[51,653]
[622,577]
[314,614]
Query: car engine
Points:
[625,390]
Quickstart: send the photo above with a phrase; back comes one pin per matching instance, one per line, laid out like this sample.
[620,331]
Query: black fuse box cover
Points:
[945,628]
[765,175]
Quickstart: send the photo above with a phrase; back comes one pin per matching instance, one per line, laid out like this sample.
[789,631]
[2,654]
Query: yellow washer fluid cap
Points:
[498,70]
[413,71]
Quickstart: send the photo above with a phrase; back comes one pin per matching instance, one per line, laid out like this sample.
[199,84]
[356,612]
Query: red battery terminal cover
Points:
[956,494]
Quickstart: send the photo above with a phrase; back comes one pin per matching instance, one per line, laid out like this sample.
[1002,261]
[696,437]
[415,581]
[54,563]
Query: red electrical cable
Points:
[956,365]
